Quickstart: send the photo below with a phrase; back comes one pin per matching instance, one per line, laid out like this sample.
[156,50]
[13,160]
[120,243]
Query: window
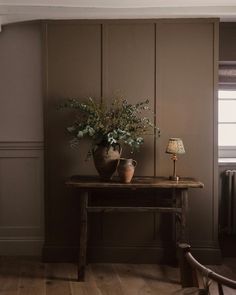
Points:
[227,111]
[227,123]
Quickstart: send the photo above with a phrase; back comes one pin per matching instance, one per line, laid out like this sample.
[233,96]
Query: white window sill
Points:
[227,161]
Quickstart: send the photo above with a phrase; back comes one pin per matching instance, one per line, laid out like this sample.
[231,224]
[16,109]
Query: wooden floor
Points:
[28,276]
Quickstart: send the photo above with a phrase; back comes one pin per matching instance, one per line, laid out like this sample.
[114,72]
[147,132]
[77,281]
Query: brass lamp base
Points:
[175,178]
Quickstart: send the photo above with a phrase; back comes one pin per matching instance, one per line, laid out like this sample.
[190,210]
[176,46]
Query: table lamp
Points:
[175,146]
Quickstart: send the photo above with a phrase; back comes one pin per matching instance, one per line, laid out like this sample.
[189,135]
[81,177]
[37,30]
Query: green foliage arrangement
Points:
[116,123]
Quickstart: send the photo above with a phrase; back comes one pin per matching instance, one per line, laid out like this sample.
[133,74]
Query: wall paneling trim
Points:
[21,198]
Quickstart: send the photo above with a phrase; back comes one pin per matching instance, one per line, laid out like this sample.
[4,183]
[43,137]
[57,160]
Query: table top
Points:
[146,182]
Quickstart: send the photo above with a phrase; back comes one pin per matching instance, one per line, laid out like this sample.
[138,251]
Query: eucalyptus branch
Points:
[117,123]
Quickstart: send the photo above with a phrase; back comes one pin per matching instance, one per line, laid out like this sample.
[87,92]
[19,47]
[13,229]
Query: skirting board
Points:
[21,247]
[129,254]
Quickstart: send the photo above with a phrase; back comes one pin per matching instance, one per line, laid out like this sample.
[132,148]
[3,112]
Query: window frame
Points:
[226,152]
[227,81]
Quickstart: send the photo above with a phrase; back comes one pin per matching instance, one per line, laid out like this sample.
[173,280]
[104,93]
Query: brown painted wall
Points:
[227,42]
[21,140]
[174,64]
[21,110]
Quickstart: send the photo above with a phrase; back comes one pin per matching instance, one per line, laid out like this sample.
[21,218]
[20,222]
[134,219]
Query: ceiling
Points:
[19,10]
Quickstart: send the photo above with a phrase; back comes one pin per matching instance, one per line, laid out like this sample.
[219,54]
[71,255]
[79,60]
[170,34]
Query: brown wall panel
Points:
[185,108]
[74,70]
[21,140]
[73,55]
[129,71]
[173,64]
[21,109]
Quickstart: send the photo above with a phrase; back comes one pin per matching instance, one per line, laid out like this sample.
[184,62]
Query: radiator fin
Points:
[231,200]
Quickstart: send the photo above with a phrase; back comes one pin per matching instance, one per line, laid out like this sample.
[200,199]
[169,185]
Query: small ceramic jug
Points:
[126,169]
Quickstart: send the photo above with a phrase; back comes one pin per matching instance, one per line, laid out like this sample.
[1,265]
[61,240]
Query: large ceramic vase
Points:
[106,159]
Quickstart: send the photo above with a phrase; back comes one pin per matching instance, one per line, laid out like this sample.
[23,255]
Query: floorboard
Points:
[58,278]
[28,276]
[9,276]
[106,279]
[32,278]
[88,287]
[131,283]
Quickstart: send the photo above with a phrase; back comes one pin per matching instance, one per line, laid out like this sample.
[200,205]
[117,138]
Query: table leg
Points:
[175,216]
[183,219]
[83,235]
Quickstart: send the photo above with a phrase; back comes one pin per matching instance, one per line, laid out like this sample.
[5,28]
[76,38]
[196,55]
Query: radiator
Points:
[230,198]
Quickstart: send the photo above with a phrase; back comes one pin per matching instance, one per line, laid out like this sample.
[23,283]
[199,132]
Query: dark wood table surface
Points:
[88,182]
[85,185]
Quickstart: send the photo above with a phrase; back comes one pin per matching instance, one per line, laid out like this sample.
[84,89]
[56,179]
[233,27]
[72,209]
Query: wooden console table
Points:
[87,184]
